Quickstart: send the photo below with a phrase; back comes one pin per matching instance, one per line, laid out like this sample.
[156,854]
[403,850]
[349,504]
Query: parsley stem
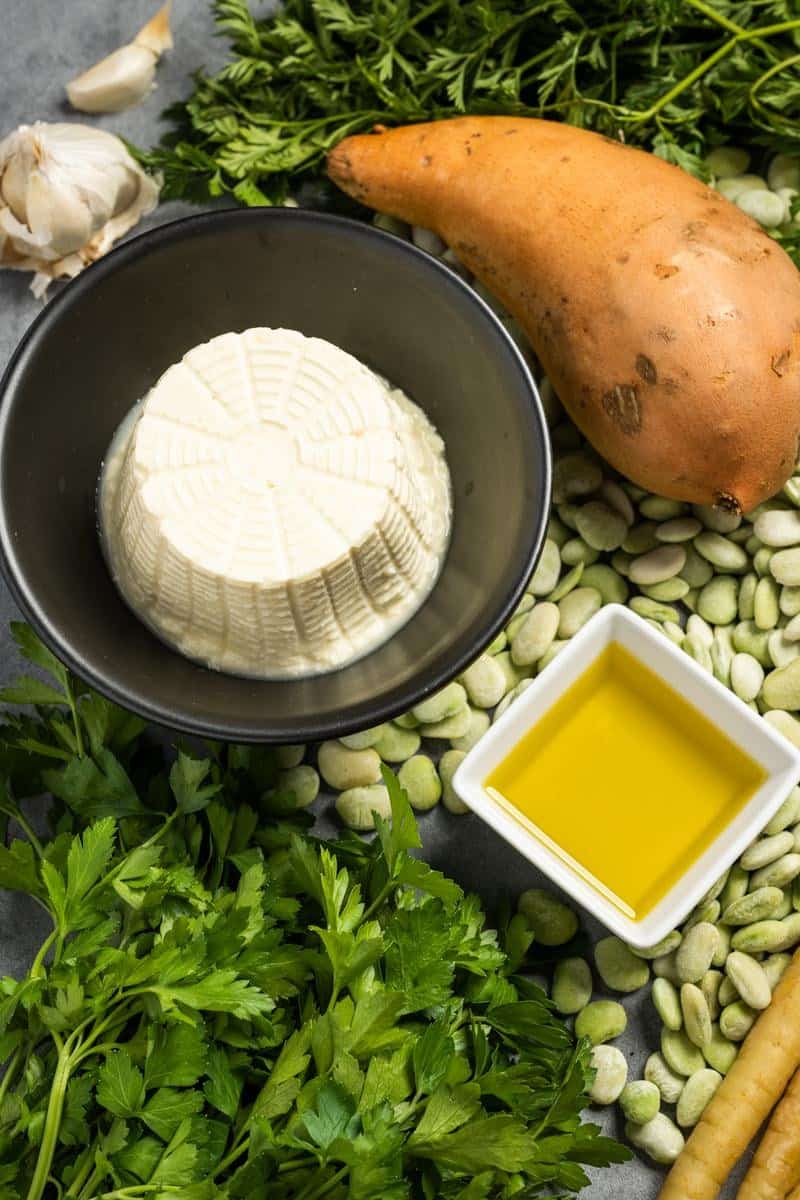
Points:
[324,1188]
[29,831]
[76,721]
[52,1124]
[38,962]
[11,1068]
[382,896]
[231,1158]
[295,1164]
[76,1187]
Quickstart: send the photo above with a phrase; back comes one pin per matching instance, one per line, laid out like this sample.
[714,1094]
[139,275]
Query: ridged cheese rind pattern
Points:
[274,508]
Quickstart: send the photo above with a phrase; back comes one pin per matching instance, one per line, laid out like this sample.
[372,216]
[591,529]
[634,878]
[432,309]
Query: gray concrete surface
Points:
[44,44]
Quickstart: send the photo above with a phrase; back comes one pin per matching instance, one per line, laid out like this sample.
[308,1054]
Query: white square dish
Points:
[615,624]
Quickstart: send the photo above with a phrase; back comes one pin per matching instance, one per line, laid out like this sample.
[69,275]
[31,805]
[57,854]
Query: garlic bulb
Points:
[67,193]
[126,76]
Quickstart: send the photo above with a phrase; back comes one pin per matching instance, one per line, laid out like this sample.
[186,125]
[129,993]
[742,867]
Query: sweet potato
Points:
[667,320]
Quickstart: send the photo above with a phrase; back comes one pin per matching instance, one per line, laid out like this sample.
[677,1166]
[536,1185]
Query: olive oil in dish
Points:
[625,781]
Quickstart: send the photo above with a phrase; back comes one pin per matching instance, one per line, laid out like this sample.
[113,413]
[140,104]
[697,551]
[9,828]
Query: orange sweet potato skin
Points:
[667,320]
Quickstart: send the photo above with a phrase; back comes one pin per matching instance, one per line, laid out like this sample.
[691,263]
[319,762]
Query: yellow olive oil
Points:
[625,781]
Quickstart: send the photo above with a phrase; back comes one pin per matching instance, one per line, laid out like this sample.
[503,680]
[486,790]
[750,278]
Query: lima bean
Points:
[289,756]
[601,526]
[778,528]
[693,956]
[785,723]
[681,1055]
[659,1139]
[696,1015]
[736,885]
[302,781]
[657,565]
[395,745]
[575,610]
[720,1053]
[790,601]
[553,922]
[456,726]
[766,611]
[449,763]
[604,579]
[641,538]
[747,676]
[747,596]
[611,1074]
[575,475]
[668,1083]
[574,551]
[572,985]
[719,600]
[778,874]
[727,992]
[364,739]
[664,967]
[535,635]
[774,966]
[450,700]
[784,566]
[665,946]
[755,906]
[763,936]
[781,688]
[419,778]
[484,682]
[659,508]
[736,1020]
[668,592]
[620,969]
[710,985]
[479,722]
[601,1021]
[679,529]
[565,586]
[766,850]
[697,571]
[640,1101]
[721,552]
[723,946]
[667,1003]
[618,499]
[356,806]
[697,1093]
[343,769]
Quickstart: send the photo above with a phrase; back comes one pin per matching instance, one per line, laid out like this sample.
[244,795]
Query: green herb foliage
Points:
[225,1007]
[677,76]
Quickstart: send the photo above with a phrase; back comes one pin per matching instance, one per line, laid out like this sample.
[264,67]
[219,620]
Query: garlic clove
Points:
[156,35]
[56,215]
[126,76]
[116,83]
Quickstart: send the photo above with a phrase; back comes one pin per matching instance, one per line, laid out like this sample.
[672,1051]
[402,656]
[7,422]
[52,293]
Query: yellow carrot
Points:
[757,1079]
[775,1169]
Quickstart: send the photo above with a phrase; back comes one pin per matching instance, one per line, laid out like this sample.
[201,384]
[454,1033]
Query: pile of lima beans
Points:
[726,589]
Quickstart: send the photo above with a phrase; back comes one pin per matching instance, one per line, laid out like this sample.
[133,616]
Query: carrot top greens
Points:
[675,76]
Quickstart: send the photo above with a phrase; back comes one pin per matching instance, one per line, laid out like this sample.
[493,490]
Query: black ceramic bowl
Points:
[100,345]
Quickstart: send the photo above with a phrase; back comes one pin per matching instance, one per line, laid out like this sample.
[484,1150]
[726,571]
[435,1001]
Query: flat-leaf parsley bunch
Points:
[224,1007]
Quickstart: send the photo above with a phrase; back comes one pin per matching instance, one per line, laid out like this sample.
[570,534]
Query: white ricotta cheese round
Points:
[273,508]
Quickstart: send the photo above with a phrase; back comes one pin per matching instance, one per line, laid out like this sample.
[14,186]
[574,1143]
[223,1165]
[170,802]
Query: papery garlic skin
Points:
[126,77]
[67,193]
